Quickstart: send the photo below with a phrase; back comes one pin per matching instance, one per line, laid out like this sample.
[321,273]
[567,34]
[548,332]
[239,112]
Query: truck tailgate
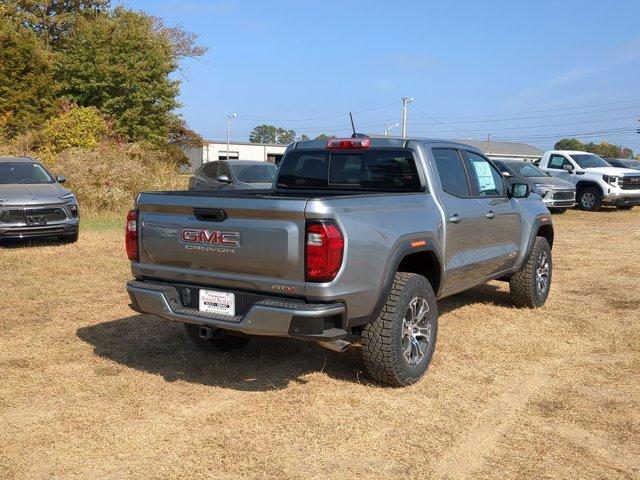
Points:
[246,242]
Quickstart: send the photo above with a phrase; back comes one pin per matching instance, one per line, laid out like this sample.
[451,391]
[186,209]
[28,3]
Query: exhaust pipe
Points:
[335,345]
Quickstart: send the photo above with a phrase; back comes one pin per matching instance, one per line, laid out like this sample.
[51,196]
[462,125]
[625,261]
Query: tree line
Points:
[58,56]
[603,149]
[271,134]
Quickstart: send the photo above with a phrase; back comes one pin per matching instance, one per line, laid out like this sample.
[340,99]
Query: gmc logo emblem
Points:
[210,237]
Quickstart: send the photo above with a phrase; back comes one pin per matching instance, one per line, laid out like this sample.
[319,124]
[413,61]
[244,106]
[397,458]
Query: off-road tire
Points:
[524,292]
[625,207]
[382,340]
[597,205]
[221,342]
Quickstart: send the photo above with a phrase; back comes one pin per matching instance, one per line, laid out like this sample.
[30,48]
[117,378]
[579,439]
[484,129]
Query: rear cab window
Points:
[377,169]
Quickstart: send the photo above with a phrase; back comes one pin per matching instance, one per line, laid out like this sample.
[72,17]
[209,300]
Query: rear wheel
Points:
[531,284]
[217,341]
[397,347]
[590,199]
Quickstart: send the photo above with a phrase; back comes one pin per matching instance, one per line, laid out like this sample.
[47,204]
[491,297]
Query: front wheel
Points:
[589,199]
[531,284]
[397,347]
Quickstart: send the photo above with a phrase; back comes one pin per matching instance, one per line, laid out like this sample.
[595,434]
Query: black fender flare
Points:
[539,221]
[401,249]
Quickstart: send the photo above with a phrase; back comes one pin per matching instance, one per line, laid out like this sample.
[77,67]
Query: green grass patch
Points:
[101,221]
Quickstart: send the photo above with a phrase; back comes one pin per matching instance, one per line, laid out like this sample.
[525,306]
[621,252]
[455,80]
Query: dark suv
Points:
[233,175]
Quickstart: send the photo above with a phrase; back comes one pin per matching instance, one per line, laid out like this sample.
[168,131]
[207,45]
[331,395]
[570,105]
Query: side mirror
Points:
[223,179]
[520,190]
[506,174]
[61,179]
[568,167]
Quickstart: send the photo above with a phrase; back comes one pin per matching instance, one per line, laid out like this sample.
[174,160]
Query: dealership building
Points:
[506,150]
[217,150]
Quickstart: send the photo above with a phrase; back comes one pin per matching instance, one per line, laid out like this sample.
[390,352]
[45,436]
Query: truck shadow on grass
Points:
[161,347]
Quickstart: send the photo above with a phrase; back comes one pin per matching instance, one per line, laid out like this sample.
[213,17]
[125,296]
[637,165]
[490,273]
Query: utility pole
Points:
[405,101]
[389,126]
[229,118]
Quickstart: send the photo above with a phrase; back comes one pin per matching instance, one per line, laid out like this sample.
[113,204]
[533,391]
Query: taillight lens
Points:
[131,235]
[324,249]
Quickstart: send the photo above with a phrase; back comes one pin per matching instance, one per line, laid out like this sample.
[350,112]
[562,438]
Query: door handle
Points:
[490,214]
[455,218]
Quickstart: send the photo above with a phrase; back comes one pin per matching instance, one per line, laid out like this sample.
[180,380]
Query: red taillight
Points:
[131,235]
[348,143]
[325,245]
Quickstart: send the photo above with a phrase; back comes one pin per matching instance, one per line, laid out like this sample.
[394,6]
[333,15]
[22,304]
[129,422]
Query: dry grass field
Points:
[90,390]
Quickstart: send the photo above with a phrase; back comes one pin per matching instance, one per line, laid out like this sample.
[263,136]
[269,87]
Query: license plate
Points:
[212,301]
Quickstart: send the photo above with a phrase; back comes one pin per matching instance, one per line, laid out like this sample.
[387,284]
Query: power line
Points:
[341,115]
[575,107]
[433,118]
[543,126]
[529,117]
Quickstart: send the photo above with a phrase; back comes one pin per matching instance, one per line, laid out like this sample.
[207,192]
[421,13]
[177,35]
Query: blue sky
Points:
[523,71]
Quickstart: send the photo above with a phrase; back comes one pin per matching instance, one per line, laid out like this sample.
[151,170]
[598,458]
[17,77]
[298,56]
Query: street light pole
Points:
[389,126]
[405,101]
[229,118]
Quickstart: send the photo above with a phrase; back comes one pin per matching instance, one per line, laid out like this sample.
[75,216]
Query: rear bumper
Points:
[268,317]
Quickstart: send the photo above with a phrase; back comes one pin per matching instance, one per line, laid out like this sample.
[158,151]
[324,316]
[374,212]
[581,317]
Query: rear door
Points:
[250,242]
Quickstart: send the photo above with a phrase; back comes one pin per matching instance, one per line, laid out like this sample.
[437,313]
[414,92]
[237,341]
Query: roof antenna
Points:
[353,126]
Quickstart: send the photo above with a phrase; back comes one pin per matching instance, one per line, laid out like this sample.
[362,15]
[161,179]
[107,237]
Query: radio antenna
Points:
[353,126]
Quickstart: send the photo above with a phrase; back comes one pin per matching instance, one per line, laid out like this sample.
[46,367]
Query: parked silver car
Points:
[233,175]
[33,203]
[557,194]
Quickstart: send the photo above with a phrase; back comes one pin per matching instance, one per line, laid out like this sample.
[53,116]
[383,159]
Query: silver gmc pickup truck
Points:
[355,242]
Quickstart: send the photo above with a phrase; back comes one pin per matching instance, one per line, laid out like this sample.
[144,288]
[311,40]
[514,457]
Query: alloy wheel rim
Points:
[416,331]
[542,273]
[588,200]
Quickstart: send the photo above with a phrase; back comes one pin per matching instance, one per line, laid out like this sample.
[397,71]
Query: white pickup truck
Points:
[597,183]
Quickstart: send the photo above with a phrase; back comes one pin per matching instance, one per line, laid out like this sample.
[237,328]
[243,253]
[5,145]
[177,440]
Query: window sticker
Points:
[485,177]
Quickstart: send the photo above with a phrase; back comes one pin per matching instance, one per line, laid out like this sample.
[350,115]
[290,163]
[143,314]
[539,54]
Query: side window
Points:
[210,169]
[557,161]
[224,170]
[485,177]
[451,171]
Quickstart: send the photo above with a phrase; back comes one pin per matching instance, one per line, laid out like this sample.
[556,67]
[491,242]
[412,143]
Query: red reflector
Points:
[131,235]
[348,143]
[324,248]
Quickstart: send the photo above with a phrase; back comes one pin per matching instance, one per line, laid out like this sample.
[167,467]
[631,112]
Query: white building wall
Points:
[214,150]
